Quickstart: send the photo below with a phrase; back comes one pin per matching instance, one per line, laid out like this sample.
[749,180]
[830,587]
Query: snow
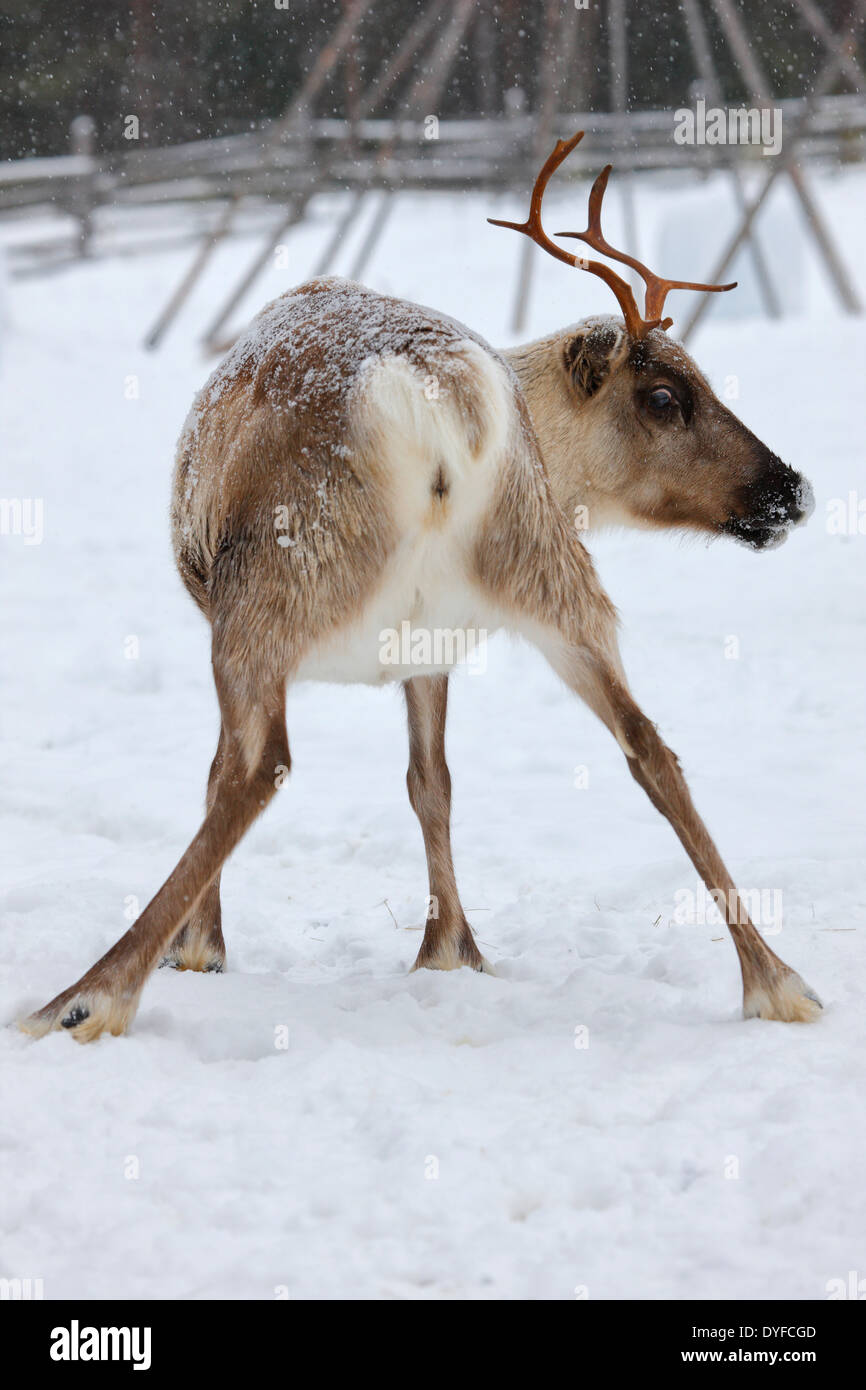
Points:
[595,1119]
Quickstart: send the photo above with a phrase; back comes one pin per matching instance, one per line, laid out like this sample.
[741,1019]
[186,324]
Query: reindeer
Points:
[324,493]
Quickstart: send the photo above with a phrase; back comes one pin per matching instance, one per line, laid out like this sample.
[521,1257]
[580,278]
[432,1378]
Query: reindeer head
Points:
[627,423]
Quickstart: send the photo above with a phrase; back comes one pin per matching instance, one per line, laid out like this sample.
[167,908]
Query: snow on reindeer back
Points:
[325,331]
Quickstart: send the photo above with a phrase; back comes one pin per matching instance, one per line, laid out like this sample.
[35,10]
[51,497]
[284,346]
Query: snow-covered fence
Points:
[494,152]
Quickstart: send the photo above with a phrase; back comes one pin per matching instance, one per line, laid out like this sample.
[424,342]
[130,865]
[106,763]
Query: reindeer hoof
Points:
[453,960]
[207,965]
[485,968]
[77,1014]
[197,947]
[84,1015]
[786,998]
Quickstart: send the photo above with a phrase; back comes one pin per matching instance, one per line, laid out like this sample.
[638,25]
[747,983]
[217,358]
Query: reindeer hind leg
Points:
[252,704]
[199,945]
[448,940]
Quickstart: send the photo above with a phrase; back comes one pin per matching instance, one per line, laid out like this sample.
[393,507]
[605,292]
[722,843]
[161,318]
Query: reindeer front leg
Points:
[771,989]
[448,940]
[530,562]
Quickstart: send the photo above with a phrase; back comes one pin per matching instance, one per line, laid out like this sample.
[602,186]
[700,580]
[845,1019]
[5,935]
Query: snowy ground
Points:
[430,1136]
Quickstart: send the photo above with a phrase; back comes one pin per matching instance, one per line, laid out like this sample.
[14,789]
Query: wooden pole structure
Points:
[618,57]
[485,48]
[450,21]
[416,36]
[823,83]
[542,136]
[414,40]
[760,89]
[82,138]
[351,89]
[427,88]
[700,44]
[846,50]
[294,215]
[374,231]
[423,95]
[326,61]
[180,294]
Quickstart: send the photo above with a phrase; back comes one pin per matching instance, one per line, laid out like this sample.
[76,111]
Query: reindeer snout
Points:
[777,500]
[806,500]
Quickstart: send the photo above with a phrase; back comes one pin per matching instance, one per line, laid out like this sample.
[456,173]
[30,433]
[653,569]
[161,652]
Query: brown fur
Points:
[586,388]
[287,444]
[448,940]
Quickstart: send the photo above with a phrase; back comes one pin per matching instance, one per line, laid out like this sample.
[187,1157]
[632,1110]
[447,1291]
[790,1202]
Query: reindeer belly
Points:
[424,618]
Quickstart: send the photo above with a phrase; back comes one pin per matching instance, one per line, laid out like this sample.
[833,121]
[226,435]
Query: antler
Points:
[533,229]
[657,290]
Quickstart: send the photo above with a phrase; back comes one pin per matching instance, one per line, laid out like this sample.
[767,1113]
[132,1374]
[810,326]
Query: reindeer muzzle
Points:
[772,505]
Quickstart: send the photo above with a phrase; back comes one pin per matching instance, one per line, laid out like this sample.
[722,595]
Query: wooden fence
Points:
[490,153]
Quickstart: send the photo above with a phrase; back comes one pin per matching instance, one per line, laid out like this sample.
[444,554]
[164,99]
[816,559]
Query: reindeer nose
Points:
[772,504]
[780,496]
[805,501]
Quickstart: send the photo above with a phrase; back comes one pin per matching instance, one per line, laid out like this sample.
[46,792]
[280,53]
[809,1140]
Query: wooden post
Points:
[414,39]
[82,140]
[374,231]
[426,90]
[416,36]
[294,214]
[760,89]
[823,82]
[544,121]
[321,69]
[485,48]
[700,44]
[424,94]
[844,48]
[617,40]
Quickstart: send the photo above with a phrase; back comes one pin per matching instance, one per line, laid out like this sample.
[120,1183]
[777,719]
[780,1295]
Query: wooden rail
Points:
[490,153]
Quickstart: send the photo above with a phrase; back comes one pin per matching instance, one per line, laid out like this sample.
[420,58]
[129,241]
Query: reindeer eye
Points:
[660,400]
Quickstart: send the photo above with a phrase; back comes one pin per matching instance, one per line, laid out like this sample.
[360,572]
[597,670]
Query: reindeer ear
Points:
[590,355]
